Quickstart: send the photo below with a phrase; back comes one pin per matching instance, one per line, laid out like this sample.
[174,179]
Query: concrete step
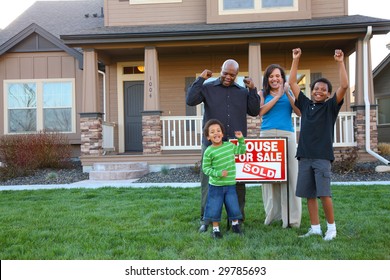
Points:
[118,170]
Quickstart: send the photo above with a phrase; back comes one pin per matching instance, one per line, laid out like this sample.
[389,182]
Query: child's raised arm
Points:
[296,53]
[340,93]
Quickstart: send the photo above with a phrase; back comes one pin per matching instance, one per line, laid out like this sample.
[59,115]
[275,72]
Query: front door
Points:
[134,105]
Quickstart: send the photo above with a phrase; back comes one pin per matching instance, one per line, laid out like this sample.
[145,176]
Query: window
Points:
[303,79]
[383,110]
[256,6]
[39,105]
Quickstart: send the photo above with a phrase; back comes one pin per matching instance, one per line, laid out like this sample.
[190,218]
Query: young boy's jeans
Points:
[216,197]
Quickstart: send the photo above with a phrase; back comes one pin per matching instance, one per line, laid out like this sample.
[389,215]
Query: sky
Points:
[9,10]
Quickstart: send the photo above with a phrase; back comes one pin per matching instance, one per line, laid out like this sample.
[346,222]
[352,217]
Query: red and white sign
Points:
[265,160]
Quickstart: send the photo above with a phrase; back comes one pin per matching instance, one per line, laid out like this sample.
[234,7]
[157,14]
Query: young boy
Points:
[219,164]
[315,145]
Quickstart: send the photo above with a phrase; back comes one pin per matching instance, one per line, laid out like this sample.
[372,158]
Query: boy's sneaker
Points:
[330,235]
[216,235]
[237,229]
[311,232]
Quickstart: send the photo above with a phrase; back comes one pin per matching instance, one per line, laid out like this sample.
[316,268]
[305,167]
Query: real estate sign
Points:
[265,160]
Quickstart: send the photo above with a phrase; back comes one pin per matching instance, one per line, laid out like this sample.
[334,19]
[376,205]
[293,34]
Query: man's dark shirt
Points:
[229,105]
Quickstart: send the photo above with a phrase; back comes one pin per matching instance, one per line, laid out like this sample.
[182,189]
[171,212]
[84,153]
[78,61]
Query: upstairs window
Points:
[256,6]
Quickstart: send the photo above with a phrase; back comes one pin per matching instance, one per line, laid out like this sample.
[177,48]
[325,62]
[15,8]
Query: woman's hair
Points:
[267,73]
[322,80]
[209,123]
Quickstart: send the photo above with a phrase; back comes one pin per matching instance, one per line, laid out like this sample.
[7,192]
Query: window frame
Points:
[39,104]
[257,9]
[378,99]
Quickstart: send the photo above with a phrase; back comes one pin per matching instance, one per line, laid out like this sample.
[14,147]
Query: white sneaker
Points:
[330,234]
[311,232]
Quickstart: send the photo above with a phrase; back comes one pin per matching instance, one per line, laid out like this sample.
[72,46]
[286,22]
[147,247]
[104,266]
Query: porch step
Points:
[118,170]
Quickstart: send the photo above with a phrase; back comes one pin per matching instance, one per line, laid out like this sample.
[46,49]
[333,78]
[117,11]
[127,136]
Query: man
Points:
[229,103]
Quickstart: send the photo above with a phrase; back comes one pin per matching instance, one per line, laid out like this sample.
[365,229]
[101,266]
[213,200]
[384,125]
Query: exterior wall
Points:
[382,89]
[331,8]
[42,65]
[120,13]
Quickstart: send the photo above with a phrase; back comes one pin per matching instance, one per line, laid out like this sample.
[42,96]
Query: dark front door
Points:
[134,105]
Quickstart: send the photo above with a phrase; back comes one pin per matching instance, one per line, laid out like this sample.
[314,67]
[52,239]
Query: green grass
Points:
[162,224]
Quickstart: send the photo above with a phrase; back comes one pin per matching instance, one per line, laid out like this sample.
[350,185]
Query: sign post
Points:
[265,161]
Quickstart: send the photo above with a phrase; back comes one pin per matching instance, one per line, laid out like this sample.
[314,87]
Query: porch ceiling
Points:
[347,45]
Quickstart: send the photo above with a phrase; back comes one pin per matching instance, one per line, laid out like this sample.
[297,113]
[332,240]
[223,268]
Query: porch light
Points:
[141,68]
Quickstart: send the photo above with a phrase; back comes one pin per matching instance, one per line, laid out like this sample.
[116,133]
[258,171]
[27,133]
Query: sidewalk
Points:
[94,184]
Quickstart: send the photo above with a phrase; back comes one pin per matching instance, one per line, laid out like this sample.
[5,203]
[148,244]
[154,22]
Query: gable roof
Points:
[57,17]
[382,65]
[34,28]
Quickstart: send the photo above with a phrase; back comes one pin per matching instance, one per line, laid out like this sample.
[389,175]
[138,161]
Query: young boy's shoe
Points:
[203,228]
[330,235]
[237,229]
[311,232]
[216,235]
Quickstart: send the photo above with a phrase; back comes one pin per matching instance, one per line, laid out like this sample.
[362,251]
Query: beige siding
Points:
[174,70]
[121,13]
[330,8]
[48,65]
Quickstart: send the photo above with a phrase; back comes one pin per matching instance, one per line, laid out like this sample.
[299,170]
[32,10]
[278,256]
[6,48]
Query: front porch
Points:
[174,141]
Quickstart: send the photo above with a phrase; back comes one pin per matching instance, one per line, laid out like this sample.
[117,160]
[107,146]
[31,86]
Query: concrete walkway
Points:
[94,184]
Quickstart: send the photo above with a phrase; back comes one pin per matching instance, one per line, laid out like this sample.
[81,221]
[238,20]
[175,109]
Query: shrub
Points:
[347,161]
[25,153]
[384,148]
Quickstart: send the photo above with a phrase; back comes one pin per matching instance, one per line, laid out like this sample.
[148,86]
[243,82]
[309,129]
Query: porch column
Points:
[151,124]
[151,132]
[359,104]
[254,69]
[90,117]
[91,134]
[91,102]
[152,82]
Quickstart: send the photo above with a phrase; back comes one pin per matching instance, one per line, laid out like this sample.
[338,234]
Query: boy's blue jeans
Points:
[216,197]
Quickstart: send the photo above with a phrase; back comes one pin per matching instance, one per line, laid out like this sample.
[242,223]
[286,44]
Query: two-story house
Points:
[113,73]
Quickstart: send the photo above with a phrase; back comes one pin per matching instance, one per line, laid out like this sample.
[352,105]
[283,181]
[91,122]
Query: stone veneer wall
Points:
[253,127]
[360,133]
[151,132]
[91,134]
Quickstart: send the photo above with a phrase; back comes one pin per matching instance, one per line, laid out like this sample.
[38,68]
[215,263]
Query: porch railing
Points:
[185,132]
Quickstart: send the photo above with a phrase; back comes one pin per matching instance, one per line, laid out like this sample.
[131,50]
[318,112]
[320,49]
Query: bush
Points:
[384,148]
[23,154]
[347,161]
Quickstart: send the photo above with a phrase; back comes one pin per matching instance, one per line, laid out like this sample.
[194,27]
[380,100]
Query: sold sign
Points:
[265,160]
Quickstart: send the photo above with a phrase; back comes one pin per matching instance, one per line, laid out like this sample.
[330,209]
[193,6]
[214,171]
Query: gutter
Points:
[104,94]
[366,99]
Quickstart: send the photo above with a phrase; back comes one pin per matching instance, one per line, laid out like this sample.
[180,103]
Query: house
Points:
[381,75]
[116,71]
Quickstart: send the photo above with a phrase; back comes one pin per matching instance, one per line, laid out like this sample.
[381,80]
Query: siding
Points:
[330,8]
[42,65]
[120,13]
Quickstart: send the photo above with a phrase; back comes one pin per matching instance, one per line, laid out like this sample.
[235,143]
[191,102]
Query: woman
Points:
[276,106]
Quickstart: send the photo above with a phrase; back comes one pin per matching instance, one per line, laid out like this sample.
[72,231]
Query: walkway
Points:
[94,184]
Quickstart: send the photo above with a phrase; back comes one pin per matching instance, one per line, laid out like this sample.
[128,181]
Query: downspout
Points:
[366,98]
[104,94]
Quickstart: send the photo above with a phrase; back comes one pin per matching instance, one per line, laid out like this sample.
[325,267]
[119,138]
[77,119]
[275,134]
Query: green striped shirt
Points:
[217,159]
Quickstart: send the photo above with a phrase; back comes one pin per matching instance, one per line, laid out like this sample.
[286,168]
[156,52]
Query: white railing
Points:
[185,133]
[108,136]
[181,133]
